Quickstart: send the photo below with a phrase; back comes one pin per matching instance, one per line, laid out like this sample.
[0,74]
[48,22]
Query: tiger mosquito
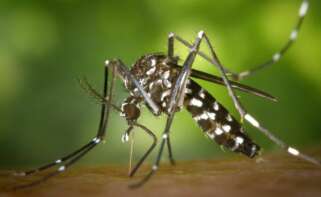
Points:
[165,87]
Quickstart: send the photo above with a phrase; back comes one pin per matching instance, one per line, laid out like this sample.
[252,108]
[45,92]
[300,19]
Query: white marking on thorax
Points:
[151,84]
[166,74]
[153,62]
[159,81]
[165,94]
[151,71]
[167,83]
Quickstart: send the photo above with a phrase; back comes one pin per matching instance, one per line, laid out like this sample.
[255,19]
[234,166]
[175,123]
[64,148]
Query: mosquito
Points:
[158,81]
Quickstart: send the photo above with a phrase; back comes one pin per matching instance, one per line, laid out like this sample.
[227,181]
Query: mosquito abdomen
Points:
[216,121]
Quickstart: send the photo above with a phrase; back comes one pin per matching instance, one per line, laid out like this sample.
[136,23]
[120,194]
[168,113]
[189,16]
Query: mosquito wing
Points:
[235,85]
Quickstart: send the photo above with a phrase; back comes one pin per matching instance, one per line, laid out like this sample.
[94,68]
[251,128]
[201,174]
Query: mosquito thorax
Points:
[156,75]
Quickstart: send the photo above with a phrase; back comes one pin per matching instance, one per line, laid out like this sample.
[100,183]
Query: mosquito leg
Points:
[61,169]
[105,111]
[150,149]
[75,156]
[223,70]
[291,150]
[250,118]
[200,53]
[177,96]
[57,162]
[170,153]
[156,164]
[215,61]
[170,53]
[170,50]
[275,58]
[131,111]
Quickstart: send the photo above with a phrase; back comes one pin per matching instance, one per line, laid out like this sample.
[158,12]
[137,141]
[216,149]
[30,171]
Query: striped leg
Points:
[157,161]
[274,59]
[66,161]
[61,169]
[249,118]
[170,47]
[58,161]
[176,100]
[126,75]
[170,53]
[277,56]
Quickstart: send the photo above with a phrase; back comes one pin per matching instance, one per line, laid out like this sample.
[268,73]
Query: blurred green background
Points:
[46,45]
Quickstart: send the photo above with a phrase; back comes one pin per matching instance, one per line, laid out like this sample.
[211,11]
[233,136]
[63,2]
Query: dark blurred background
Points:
[46,45]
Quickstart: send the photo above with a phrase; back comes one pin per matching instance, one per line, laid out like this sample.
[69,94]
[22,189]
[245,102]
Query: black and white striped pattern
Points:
[216,121]
[156,76]
[278,55]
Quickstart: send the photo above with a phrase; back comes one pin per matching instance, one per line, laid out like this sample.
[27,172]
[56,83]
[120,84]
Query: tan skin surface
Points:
[274,175]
